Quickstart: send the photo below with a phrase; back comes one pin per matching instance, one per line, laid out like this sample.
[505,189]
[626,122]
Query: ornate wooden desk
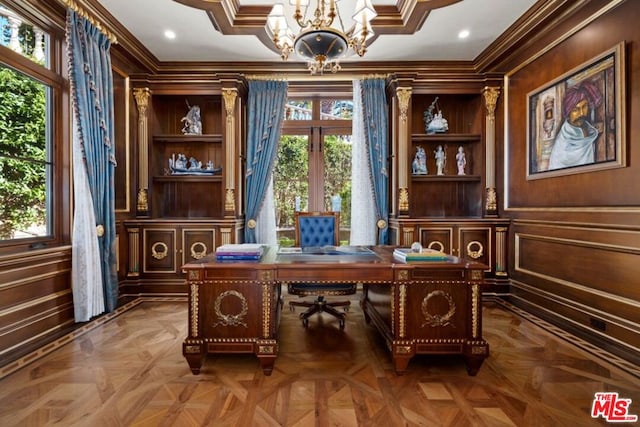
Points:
[419,308]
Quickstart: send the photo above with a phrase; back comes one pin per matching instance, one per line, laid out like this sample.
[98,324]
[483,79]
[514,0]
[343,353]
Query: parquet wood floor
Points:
[128,370]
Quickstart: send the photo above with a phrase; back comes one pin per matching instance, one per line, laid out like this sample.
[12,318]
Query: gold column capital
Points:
[142,96]
[229,95]
[404,95]
[491,94]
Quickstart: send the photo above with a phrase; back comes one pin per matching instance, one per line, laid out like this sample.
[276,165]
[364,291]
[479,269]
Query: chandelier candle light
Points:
[319,42]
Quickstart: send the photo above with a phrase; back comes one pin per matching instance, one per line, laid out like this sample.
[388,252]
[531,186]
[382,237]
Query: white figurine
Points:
[441,158]
[192,123]
[461,161]
[419,165]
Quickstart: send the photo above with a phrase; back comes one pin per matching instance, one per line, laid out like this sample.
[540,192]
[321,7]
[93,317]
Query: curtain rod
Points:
[310,77]
[75,6]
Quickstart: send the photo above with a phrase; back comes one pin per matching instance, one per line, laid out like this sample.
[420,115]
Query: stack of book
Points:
[239,252]
[407,255]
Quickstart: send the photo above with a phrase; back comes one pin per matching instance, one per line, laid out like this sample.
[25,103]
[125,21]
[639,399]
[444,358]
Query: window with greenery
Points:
[25,148]
[313,166]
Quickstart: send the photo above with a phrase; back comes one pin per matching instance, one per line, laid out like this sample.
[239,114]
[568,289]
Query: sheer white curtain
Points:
[266,221]
[363,208]
[86,273]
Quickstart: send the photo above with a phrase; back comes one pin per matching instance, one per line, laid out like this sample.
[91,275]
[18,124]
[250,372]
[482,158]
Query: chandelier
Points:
[321,43]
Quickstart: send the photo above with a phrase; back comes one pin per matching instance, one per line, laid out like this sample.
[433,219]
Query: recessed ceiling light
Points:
[169,34]
[463,34]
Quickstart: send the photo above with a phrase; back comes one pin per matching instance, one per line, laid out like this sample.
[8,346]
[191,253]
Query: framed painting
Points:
[575,123]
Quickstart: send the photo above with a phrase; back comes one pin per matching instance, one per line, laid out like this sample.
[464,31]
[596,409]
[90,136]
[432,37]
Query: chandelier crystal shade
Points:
[321,39]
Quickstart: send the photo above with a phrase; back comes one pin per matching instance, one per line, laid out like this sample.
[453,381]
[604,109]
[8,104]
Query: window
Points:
[24,38]
[26,166]
[313,166]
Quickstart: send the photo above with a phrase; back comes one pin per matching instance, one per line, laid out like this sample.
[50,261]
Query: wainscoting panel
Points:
[581,277]
[36,303]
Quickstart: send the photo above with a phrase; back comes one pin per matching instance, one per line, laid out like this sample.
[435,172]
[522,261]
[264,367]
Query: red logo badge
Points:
[612,408]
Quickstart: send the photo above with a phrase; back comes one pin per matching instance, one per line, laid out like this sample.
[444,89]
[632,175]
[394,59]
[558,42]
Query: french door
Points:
[313,171]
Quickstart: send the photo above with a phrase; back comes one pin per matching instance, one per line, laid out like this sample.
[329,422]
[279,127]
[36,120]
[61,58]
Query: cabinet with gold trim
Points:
[184,211]
[166,249]
[443,192]
[158,249]
[480,240]
[447,207]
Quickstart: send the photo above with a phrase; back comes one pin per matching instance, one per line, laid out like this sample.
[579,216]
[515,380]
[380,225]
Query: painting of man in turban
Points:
[575,123]
[574,142]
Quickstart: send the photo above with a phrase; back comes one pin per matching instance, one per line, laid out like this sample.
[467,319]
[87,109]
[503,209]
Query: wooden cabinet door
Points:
[159,250]
[196,243]
[438,238]
[475,244]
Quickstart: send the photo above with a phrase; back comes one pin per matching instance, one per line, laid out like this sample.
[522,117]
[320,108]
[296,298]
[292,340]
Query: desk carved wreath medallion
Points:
[231,319]
[434,320]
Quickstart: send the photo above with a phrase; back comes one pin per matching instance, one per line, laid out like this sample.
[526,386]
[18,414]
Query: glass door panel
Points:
[290,183]
[336,155]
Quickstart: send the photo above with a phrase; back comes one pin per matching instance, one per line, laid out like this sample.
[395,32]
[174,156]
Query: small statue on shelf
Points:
[441,159]
[461,160]
[434,122]
[194,165]
[179,163]
[192,121]
[180,166]
[419,165]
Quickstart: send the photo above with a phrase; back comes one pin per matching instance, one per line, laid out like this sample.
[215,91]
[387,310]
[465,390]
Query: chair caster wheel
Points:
[305,323]
[342,325]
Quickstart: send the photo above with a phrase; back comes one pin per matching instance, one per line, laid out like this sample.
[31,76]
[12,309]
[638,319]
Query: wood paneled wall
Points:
[575,252]
[36,303]
[35,300]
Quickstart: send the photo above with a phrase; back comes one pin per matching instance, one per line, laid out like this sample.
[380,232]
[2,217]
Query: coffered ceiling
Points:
[234,30]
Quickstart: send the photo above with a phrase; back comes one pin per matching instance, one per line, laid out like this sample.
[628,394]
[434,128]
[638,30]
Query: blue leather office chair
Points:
[319,229]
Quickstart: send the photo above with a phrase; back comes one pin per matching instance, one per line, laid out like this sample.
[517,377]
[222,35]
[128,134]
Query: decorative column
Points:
[229,96]
[490,98]
[501,251]
[134,250]
[407,236]
[142,96]
[404,95]
[226,235]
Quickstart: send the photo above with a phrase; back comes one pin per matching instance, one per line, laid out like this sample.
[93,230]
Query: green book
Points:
[407,255]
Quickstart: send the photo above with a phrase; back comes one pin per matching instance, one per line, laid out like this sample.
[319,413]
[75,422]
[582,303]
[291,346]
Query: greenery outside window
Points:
[313,167]
[26,166]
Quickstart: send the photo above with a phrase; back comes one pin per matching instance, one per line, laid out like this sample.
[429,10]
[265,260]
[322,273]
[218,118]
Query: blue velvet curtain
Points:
[374,106]
[266,101]
[92,93]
